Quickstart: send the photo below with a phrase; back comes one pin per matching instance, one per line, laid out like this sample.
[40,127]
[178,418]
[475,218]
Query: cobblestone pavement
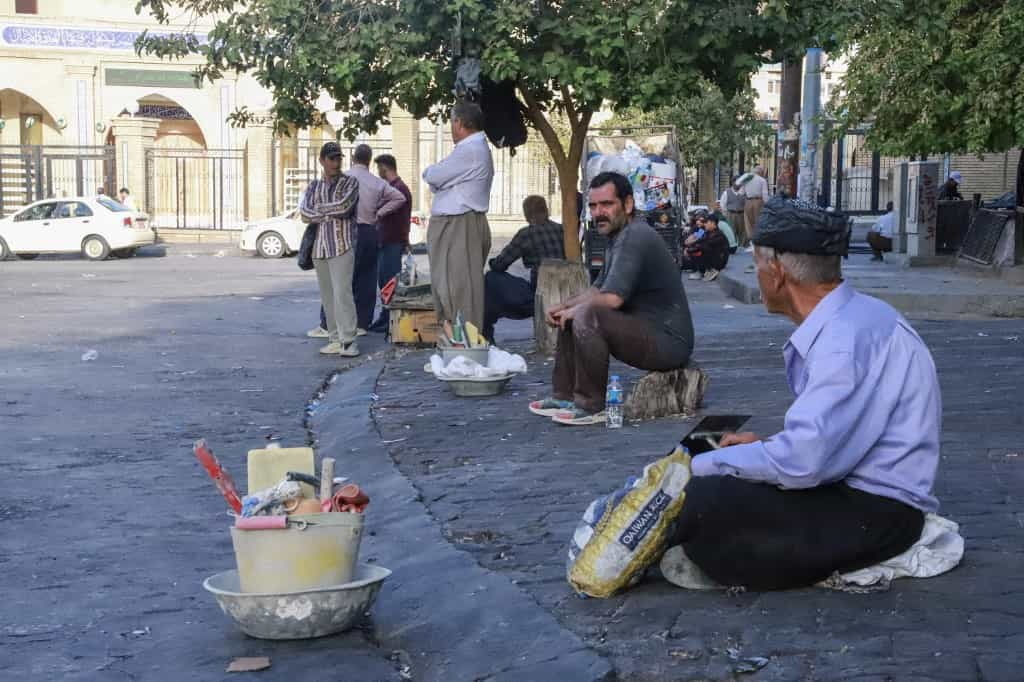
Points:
[108,523]
[508,487]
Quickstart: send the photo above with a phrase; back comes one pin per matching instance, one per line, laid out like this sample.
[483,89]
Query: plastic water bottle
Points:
[408,275]
[613,403]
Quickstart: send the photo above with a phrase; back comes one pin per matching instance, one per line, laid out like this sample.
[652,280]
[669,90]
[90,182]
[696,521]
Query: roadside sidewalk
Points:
[508,488]
[931,291]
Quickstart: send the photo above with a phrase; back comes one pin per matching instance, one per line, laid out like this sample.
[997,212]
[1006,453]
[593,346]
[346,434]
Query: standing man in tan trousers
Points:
[755,189]
[459,238]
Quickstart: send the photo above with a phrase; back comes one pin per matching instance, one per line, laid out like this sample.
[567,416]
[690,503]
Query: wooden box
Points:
[413,326]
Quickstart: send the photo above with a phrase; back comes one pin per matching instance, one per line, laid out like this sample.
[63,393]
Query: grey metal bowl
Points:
[474,388]
[298,615]
[477,355]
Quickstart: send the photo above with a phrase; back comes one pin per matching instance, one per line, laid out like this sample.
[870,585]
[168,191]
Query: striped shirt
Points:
[332,204]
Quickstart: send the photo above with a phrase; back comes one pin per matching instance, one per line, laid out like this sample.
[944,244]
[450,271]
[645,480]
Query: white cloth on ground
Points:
[499,364]
[940,549]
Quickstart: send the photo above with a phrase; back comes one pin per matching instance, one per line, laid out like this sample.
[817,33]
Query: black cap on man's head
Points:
[330,149]
[795,226]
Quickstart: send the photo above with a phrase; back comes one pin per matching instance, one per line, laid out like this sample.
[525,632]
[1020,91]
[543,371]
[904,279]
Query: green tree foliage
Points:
[709,127]
[566,57]
[936,77]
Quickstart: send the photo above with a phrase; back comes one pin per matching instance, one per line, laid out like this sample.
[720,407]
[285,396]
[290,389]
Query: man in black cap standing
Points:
[847,483]
[330,202]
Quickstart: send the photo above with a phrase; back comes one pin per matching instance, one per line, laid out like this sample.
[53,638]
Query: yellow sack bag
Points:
[625,532]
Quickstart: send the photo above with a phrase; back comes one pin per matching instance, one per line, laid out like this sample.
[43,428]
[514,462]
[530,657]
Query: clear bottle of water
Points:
[407,277]
[613,403]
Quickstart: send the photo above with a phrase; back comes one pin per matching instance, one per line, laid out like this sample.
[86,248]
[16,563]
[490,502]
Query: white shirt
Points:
[885,224]
[129,202]
[756,188]
[461,182]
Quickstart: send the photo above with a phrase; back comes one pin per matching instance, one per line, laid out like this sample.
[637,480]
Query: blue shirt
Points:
[867,410]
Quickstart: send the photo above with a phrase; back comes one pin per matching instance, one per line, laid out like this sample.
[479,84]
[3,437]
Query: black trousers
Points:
[364,275]
[764,538]
[505,295]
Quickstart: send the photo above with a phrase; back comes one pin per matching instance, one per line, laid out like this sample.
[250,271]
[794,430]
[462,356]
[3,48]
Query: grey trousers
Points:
[334,275]
[458,246]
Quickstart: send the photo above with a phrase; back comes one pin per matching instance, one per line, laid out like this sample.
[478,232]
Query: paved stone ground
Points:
[942,291]
[109,524]
[509,487]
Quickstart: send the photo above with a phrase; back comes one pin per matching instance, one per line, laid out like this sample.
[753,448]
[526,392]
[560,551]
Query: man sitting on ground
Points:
[636,311]
[707,250]
[880,236]
[846,484]
[509,296]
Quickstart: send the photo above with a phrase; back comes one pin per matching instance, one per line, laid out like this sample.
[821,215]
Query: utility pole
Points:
[808,184]
[788,137]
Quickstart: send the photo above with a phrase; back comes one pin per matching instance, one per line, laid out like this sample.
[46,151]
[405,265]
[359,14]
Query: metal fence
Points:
[32,172]
[295,162]
[197,189]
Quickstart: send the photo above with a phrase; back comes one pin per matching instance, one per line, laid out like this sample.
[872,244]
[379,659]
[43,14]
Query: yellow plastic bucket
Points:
[290,560]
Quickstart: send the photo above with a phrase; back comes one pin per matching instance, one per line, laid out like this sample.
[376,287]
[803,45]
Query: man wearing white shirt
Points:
[880,236]
[755,189]
[459,238]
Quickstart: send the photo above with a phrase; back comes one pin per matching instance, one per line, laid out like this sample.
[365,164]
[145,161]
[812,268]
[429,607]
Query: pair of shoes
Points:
[711,275]
[348,350]
[749,249]
[318,333]
[749,269]
[360,331]
[577,416]
[877,259]
[549,407]
[694,275]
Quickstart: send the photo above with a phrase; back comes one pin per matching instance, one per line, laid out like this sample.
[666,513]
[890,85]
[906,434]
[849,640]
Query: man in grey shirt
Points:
[636,311]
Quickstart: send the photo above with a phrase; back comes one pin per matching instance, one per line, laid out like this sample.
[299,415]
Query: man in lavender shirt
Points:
[847,482]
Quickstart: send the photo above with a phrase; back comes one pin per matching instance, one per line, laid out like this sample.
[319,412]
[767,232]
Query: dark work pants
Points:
[879,244]
[505,295]
[364,275]
[764,538]
[389,264]
[701,262]
[584,346]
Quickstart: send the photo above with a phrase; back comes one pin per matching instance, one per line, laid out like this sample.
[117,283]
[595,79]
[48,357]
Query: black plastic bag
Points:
[306,248]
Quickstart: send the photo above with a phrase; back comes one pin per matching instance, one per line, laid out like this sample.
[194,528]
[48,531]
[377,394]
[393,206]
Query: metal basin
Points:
[298,615]
[472,388]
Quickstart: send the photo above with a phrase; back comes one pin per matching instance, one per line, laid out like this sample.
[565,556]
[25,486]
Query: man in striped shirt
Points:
[330,201]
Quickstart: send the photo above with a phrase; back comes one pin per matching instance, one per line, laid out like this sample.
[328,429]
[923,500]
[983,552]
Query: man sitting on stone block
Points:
[506,295]
[847,482]
[636,311]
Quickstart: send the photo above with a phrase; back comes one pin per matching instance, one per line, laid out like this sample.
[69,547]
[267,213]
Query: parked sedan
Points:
[282,235]
[274,237]
[96,227]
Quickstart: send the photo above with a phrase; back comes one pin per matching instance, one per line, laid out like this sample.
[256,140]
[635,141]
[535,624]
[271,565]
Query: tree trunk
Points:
[1018,224]
[788,139]
[557,281]
[568,181]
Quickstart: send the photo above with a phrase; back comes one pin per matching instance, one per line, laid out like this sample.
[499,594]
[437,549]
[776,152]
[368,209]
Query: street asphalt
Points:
[110,525]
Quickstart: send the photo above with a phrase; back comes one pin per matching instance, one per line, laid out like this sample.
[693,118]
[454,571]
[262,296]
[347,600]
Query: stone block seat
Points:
[666,394]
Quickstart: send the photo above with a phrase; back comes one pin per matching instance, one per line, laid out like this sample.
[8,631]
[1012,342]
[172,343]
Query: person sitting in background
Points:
[707,250]
[509,296]
[880,236]
[726,227]
[951,188]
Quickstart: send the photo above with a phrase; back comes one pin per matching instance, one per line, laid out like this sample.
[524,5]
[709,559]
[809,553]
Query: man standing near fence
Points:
[377,199]
[459,237]
[330,202]
[394,233]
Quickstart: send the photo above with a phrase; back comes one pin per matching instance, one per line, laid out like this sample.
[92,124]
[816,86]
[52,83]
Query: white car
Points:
[282,235]
[96,227]
[274,237]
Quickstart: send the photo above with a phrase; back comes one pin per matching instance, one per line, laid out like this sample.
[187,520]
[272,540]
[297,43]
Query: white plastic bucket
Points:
[324,554]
